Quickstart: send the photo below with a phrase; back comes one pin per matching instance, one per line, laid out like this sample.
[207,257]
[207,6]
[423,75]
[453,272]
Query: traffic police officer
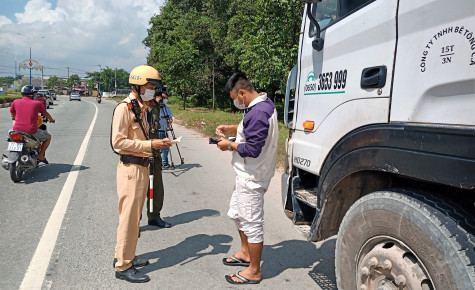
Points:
[129,138]
[154,218]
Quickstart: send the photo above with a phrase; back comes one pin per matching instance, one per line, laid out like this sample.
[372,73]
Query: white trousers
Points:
[246,208]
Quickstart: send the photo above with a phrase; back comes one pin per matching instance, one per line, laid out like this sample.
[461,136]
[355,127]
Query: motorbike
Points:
[22,154]
[98,99]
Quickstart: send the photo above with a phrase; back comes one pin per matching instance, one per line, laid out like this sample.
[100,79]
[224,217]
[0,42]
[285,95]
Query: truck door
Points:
[346,82]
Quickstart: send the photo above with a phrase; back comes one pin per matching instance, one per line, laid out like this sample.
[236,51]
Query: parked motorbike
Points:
[22,154]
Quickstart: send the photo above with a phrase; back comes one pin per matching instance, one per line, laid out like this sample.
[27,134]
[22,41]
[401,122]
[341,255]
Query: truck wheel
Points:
[405,240]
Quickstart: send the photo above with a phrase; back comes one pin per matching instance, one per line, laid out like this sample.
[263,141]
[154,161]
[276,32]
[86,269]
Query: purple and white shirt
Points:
[257,136]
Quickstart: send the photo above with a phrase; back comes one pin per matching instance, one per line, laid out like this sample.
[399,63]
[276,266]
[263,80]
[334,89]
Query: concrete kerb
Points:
[5,105]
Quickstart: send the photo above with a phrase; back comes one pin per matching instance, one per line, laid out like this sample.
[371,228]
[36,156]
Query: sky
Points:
[75,34]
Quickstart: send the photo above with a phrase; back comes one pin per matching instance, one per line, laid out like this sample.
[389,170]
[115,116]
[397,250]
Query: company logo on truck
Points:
[311,76]
[310,85]
[328,83]
[447,47]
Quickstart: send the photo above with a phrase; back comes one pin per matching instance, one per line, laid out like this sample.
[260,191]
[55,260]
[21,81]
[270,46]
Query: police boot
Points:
[158,222]
[132,275]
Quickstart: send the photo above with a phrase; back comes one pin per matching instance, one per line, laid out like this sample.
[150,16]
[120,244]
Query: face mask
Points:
[237,105]
[148,96]
[165,101]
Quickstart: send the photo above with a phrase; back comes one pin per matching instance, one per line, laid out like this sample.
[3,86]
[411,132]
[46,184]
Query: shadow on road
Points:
[51,171]
[324,272]
[297,254]
[184,218]
[191,249]
[181,169]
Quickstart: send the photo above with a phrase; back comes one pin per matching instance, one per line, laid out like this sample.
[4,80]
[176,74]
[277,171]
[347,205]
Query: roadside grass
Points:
[205,121]
[117,99]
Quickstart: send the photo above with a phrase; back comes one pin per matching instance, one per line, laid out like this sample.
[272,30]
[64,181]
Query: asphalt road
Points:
[186,256]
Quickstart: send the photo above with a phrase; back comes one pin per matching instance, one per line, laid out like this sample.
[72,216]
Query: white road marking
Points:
[36,272]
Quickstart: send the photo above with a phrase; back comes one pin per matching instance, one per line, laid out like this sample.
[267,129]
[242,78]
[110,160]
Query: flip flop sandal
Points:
[243,279]
[237,262]
[43,160]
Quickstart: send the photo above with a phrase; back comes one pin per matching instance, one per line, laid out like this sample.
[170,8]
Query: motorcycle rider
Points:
[25,112]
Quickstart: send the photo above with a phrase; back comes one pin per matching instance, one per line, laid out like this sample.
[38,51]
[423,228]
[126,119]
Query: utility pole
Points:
[30,60]
[100,77]
[68,79]
[41,77]
[16,75]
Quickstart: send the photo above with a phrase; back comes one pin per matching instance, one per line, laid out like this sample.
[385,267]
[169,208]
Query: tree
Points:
[6,81]
[122,79]
[198,43]
[108,79]
[263,40]
[53,82]
[171,49]
[182,47]
[73,81]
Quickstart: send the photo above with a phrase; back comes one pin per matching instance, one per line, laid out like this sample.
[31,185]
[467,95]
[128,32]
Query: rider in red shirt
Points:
[25,112]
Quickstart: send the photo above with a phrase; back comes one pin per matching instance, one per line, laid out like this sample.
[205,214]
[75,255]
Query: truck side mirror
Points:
[317,43]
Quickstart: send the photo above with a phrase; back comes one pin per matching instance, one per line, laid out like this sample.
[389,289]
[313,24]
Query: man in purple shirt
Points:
[25,112]
[254,157]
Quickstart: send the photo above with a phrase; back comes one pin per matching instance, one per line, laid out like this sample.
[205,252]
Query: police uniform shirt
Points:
[127,135]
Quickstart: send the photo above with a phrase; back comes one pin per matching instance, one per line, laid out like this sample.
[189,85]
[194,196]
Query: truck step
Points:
[302,229]
[307,196]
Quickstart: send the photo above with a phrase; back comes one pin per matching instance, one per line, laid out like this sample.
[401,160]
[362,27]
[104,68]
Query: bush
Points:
[9,98]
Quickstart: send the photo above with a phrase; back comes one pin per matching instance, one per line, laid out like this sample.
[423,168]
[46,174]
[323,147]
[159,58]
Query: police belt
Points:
[142,161]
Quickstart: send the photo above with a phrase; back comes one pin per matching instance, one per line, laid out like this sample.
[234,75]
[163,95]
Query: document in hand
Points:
[177,140]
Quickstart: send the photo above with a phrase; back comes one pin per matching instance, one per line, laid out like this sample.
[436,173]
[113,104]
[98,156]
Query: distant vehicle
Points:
[74,96]
[41,97]
[49,98]
[22,157]
[53,94]
[2,93]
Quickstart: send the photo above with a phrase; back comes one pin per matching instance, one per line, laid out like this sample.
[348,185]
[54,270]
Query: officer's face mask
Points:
[148,95]
[237,104]
[165,101]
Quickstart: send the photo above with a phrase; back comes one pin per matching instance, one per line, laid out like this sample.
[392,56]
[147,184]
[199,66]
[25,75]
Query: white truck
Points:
[381,149]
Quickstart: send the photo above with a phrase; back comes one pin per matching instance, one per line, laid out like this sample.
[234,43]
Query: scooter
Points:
[22,154]
[98,99]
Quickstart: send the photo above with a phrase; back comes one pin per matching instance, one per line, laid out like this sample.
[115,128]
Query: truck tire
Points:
[405,240]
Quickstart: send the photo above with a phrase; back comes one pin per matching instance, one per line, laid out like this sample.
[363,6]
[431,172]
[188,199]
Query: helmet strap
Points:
[137,89]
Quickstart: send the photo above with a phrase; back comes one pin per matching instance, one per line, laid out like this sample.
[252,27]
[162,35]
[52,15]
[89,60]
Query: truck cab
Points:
[381,148]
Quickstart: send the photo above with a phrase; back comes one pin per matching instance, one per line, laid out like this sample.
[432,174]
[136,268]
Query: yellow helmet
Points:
[144,74]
